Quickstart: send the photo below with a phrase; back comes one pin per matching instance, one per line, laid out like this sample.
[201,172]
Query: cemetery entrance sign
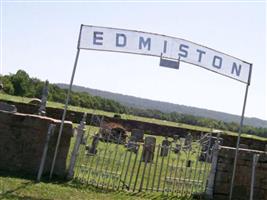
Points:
[151,44]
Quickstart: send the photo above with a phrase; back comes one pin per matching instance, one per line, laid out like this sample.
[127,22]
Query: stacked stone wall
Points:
[22,139]
[241,190]
[128,125]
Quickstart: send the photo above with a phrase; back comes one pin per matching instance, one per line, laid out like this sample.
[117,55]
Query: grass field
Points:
[21,188]
[125,116]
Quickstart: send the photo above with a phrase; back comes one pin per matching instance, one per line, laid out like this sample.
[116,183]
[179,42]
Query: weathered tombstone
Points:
[177,148]
[165,147]
[138,135]
[118,135]
[7,107]
[84,138]
[207,148]
[175,138]
[92,150]
[42,108]
[188,140]
[132,145]
[148,149]
[182,140]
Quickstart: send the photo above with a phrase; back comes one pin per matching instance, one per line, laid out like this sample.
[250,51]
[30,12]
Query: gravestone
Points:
[83,122]
[175,138]
[93,148]
[177,148]
[148,149]
[138,135]
[188,140]
[42,108]
[7,107]
[132,145]
[165,147]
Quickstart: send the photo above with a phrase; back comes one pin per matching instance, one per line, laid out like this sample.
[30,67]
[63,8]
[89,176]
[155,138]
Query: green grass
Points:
[125,116]
[21,188]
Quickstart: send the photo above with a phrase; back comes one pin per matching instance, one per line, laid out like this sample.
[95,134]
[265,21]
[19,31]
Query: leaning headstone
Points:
[138,135]
[148,149]
[165,147]
[42,108]
[7,107]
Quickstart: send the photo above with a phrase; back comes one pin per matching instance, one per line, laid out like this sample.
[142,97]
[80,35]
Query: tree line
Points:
[21,84]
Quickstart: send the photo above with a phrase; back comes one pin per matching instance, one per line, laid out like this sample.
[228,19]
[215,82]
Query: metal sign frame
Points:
[67,102]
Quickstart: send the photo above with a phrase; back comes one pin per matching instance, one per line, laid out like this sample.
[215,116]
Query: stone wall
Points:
[128,125]
[22,138]
[241,189]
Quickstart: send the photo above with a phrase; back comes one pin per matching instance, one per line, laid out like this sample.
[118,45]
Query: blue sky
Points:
[41,38]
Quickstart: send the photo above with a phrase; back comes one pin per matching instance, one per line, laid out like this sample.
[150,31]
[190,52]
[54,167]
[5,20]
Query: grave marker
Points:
[148,149]
[165,147]
[42,109]
[138,135]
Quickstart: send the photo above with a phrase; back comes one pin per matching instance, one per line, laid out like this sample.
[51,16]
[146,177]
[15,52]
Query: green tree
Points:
[21,84]
[8,86]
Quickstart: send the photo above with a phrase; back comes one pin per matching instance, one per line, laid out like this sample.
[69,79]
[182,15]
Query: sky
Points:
[41,38]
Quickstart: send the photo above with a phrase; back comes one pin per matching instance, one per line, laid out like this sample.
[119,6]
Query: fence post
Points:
[255,160]
[74,154]
[41,168]
[211,178]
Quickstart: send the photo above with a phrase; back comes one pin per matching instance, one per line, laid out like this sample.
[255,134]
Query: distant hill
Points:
[137,102]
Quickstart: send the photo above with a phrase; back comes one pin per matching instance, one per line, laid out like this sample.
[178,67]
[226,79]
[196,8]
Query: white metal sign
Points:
[128,41]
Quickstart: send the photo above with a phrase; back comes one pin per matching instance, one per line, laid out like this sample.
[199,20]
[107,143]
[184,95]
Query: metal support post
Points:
[239,134]
[66,106]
